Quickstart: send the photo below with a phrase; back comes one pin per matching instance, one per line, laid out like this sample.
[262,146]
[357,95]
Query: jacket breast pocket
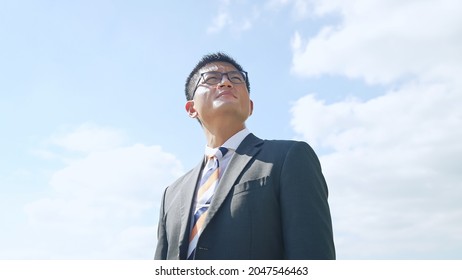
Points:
[252,185]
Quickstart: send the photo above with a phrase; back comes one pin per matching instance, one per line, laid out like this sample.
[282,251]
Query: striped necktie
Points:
[208,183]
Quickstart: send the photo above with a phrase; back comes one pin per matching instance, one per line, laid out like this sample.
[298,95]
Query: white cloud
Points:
[88,137]
[385,41]
[233,16]
[132,242]
[300,8]
[219,22]
[103,204]
[393,161]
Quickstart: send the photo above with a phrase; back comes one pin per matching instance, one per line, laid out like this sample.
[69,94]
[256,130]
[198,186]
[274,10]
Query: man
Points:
[248,198]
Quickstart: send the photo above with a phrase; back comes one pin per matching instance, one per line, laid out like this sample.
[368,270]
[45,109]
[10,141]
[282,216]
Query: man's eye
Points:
[211,79]
[236,79]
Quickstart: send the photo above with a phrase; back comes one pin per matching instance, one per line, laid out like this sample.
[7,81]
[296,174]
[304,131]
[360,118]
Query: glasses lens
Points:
[213,78]
[236,77]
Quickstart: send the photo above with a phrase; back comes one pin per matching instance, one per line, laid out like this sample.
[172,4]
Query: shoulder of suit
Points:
[182,180]
[276,142]
[286,146]
[285,143]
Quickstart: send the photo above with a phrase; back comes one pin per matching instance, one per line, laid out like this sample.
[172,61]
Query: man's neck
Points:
[219,135]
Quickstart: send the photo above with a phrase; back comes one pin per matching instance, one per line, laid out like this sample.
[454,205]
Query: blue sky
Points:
[94,127]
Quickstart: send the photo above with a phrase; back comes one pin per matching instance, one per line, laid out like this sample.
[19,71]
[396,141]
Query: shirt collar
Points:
[232,143]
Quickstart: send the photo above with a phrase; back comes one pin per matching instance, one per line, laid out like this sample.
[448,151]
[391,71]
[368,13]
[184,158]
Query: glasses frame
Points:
[244,74]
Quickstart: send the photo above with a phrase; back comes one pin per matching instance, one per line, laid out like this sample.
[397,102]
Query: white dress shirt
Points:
[231,144]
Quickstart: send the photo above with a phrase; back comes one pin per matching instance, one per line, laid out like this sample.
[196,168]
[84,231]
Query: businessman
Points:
[248,198]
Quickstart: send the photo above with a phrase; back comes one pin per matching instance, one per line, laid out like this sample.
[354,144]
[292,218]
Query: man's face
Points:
[225,100]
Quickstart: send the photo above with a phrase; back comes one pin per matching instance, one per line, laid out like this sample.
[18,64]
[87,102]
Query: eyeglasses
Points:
[214,78]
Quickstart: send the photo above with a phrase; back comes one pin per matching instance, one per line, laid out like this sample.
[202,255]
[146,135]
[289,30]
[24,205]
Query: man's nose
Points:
[225,81]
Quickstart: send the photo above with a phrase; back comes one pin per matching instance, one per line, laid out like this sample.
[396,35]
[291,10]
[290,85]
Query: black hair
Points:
[207,59]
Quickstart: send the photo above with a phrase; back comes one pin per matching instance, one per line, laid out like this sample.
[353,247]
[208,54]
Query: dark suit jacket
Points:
[271,203]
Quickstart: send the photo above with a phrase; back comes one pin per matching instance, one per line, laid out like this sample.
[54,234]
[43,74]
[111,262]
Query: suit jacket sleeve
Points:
[306,219]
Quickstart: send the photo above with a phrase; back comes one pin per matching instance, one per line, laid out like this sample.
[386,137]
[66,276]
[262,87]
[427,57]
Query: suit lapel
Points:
[187,199]
[244,153]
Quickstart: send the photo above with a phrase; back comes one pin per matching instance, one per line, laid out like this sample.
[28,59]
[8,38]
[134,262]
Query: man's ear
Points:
[251,107]
[190,109]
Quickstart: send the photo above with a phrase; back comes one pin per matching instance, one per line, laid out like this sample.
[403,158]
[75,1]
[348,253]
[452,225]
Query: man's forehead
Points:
[218,65]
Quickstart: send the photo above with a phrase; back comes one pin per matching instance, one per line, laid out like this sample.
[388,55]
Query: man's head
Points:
[194,76]
[217,92]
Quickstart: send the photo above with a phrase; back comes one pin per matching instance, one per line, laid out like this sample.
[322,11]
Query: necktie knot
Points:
[221,152]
